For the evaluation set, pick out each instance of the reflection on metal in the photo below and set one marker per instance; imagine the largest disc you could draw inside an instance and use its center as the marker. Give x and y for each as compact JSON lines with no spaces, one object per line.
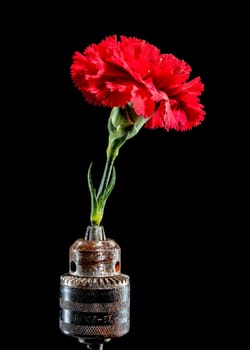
{"x":94,"y":295}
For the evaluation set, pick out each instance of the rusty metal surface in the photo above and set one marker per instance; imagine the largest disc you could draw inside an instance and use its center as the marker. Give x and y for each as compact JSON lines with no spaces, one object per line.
{"x":95,"y":312}
{"x":94,"y":295}
{"x":95,"y":258}
{"x":94,"y":283}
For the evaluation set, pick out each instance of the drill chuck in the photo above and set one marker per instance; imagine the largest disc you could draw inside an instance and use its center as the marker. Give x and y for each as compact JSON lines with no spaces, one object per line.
{"x":94,"y":295}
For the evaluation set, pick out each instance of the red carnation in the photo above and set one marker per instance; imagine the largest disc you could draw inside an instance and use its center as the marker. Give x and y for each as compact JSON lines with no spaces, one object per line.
{"x":114,"y":73}
{"x":144,"y":88}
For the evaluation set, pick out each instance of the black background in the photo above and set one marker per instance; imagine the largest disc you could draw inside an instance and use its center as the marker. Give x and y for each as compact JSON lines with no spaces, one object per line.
{"x":165,"y":205}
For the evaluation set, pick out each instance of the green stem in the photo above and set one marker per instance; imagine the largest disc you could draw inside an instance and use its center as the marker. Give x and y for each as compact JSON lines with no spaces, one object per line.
{"x":107,"y":183}
{"x":123,"y":124}
{"x":106,"y":175}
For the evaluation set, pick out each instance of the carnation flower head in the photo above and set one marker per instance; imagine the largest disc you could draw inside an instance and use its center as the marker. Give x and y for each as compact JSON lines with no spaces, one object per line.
{"x":116,"y":72}
{"x":144,"y":87}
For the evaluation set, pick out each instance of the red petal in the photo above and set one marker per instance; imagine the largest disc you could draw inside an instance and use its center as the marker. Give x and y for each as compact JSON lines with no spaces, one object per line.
{"x":114,"y":73}
{"x":168,"y":71}
{"x":142,"y":102}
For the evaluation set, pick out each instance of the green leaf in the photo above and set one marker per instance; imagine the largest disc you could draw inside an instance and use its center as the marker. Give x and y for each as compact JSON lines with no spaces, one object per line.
{"x":111,"y":185}
{"x":92,"y":190}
